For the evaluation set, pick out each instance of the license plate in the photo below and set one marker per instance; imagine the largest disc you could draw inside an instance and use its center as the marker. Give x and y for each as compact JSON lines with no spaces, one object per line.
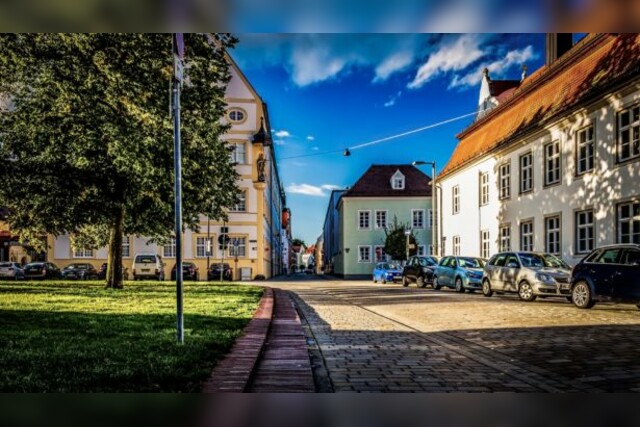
{"x":565,"y":286}
{"x":145,"y":270}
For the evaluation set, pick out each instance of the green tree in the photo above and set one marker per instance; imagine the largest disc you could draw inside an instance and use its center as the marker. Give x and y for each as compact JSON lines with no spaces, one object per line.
{"x":87,"y":143}
{"x":395,"y":244}
{"x":298,"y":242}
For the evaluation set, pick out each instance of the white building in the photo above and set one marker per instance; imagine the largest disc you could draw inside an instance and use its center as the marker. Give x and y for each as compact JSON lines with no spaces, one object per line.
{"x":554,"y":165}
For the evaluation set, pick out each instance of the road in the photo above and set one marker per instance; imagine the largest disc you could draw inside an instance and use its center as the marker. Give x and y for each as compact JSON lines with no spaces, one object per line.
{"x":370,"y":337}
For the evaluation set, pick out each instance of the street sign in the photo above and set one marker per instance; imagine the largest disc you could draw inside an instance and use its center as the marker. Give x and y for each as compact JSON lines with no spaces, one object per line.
{"x":224,"y":239}
{"x":412,"y":246}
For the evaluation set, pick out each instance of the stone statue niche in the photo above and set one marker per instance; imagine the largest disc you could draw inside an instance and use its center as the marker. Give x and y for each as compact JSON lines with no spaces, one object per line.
{"x":260,"y":163}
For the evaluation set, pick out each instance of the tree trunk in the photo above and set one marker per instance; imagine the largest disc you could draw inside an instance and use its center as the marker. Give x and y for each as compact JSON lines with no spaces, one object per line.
{"x":114,"y":268}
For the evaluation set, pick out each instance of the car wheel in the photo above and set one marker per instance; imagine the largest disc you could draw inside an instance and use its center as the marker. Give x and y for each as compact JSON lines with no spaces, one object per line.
{"x":436,"y":284}
{"x":383,"y":280}
{"x":486,"y":288}
{"x":581,"y":295}
{"x":374,"y":279}
{"x":525,"y":292}
{"x":459,"y":285}
{"x":405,"y":281}
{"x":420,"y":282}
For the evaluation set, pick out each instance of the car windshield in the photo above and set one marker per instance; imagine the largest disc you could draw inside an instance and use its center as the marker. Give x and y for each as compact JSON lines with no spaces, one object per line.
{"x":471,"y":262}
{"x":388,"y":267}
{"x":541,"y":260}
{"x":145,"y":259}
{"x":427,"y":262}
{"x":77,"y":267}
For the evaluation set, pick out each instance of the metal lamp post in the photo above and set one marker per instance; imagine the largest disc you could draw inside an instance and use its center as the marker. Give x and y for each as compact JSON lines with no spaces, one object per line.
{"x":434,"y":204}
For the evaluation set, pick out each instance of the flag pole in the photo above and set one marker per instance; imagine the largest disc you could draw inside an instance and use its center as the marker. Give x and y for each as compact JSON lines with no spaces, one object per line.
{"x":178,"y":67}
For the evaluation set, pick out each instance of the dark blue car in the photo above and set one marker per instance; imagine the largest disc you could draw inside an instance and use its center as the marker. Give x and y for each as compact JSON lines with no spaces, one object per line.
{"x":609,"y":273}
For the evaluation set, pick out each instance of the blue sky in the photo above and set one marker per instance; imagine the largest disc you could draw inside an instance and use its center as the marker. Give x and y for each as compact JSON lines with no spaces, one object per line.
{"x":327,"y":92}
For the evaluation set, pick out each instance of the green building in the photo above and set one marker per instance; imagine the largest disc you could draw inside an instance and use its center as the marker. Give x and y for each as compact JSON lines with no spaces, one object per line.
{"x":383,"y":194}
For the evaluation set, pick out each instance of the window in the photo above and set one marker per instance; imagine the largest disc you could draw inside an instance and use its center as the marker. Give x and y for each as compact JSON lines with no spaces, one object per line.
{"x":629,"y":133}
{"x":364,"y":220}
{"x":417,"y":218}
{"x":126,"y":246}
{"x":381,"y":255}
{"x":381,"y":219}
{"x":526,"y":236}
{"x":430,"y":218}
{"x":456,"y":245}
{"x":504,"y":177}
{"x":455,"y":195}
{"x":202,"y":247}
{"x":238,"y":247}
{"x":552,"y":163}
{"x":608,"y":256}
{"x":584,"y":150}
{"x":239,"y":154}
{"x":629,"y":222}
{"x":241,"y":203}
{"x":484,"y":188}
{"x":397,"y":181}
{"x":364,"y":254}
{"x":585,"y":231}
{"x":422,"y":250}
{"x":169,"y":250}
{"x":484,"y":244}
{"x":631,"y":257}
{"x":237,"y":115}
{"x":505,"y":238}
{"x":444,"y":244}
{"x":526,"y":172}
{"x":552,"y":234}
{"x":83,"y":253}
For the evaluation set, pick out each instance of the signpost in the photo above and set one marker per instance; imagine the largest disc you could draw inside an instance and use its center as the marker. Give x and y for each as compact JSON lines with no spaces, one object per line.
{"x":178,"y":75}
{"x":224,"y":241}
{"x":236,"y":242}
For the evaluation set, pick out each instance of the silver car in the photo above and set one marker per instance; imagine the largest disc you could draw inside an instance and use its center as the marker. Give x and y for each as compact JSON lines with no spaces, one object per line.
{"x":11,"y":270}
{"x":529,"y":274}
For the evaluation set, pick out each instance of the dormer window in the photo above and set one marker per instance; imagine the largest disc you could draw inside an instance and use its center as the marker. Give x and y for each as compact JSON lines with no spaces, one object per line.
{"x":397,"y":181}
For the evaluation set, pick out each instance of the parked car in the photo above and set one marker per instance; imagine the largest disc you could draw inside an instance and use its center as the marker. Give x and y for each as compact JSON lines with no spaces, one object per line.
{"x":460,"y":273}
{"x":214,"y":272}
{"x":102,"y":272}
{"x":310,"y":269}
{"x":189,"y":272}
{"x":529,"y":274}
{"x":11,"y":270}
{"x":79,"y":271}
{"x":609,"y":273}
{"x":386,"y":272}
{"x":419,"y":269}
{"x":148,"y":266}
{"x":41,"y":270}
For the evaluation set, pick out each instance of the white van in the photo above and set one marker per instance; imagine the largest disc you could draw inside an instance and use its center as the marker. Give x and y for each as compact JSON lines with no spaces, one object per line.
{"x":148,"y":266}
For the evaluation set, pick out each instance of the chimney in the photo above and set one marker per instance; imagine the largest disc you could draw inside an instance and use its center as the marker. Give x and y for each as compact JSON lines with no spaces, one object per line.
{"x":557,"y":45}
{"x":524,"y":72}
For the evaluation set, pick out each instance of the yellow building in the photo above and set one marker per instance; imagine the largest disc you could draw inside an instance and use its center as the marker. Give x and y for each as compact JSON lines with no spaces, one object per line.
{"x":255,"y":223}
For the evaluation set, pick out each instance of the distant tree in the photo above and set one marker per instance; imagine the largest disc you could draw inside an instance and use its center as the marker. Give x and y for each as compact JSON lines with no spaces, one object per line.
{"x":87,"y":143}
{"x":395,"y":244}
{"x":298,"y":242}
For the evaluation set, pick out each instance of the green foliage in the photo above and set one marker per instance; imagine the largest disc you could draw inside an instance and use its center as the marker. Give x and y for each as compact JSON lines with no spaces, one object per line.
{"x":298,"y":242}
{"x":89,"y":134}
{"x":78,"y":337}
{"x":395,"y":244}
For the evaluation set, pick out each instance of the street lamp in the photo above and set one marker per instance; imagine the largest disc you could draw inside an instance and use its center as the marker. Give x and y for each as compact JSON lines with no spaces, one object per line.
{"x":434,"y":204}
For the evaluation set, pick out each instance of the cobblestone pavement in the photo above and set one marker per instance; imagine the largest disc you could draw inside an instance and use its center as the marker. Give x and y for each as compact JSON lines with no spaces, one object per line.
{"x":375,"y":338}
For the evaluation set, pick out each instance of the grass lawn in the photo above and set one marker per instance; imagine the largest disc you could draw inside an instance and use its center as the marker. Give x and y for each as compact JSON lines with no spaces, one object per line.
{"x":77,"y":336}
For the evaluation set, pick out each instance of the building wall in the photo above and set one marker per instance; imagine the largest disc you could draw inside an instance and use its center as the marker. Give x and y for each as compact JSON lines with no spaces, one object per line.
{"x":331,"y":233}
{"x":352,"y":237}
{"x":602,"y":189}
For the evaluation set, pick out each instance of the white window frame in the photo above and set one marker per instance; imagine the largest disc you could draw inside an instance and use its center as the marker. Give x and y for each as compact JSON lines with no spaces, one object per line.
{"x":484,"y":188}
{"x":587,"y":243}
{"x":377,"y":224}
{"x":526,"y":173}
{"x":242,"y":248}
{"x":456,"y":245}
{"x":126,"y":246}
{"x":552,"y":163}
{"x":419,"y":224}
{"x":241,"y":206}
{"x":236,"y":121}
{"x":201,"y":244}
{"x":505,"y":237}
{"x":398,"y":181}
{"x":169,"y":250}
{"x":632,"y":219}
{"x":235,"y":151}
{"x":529,"y":244}
{"x":83,"y":253}
{"x":455,"y":199}
{"x":585,"y":149}
{"x":631,"y":128}
{"x":504,"y":178}
{"x":485,"y":244}
{"x":383,"y":258}
{"x":360,"y":220}
{"x":422,"y":250}
{"x":553,"y":234}
{"x":361,"y":259}
{"x":430,"y":219}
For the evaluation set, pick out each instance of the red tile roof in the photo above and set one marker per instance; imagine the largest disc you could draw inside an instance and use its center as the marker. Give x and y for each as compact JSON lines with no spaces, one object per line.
{"x":596,"y":63}
{"x":376,"y":182}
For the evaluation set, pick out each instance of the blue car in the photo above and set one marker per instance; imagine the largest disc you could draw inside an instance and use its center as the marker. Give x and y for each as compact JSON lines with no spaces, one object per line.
{"x":460,"y":273}
{"x":609,"y":273}
{"x":386,"y":272}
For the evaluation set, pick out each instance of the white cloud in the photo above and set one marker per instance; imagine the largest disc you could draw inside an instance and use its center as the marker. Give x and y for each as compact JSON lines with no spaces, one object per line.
{"x":452,"y":55}
{"x":311,"y":190}
{"x":282,"y":134}
{"x":316,"y":148}
{"x":497,"y":68}
{"x":392,"y":101}
{"x":278,"y":142}
{"x":392,"y":64}
{"x":310,"y":138}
